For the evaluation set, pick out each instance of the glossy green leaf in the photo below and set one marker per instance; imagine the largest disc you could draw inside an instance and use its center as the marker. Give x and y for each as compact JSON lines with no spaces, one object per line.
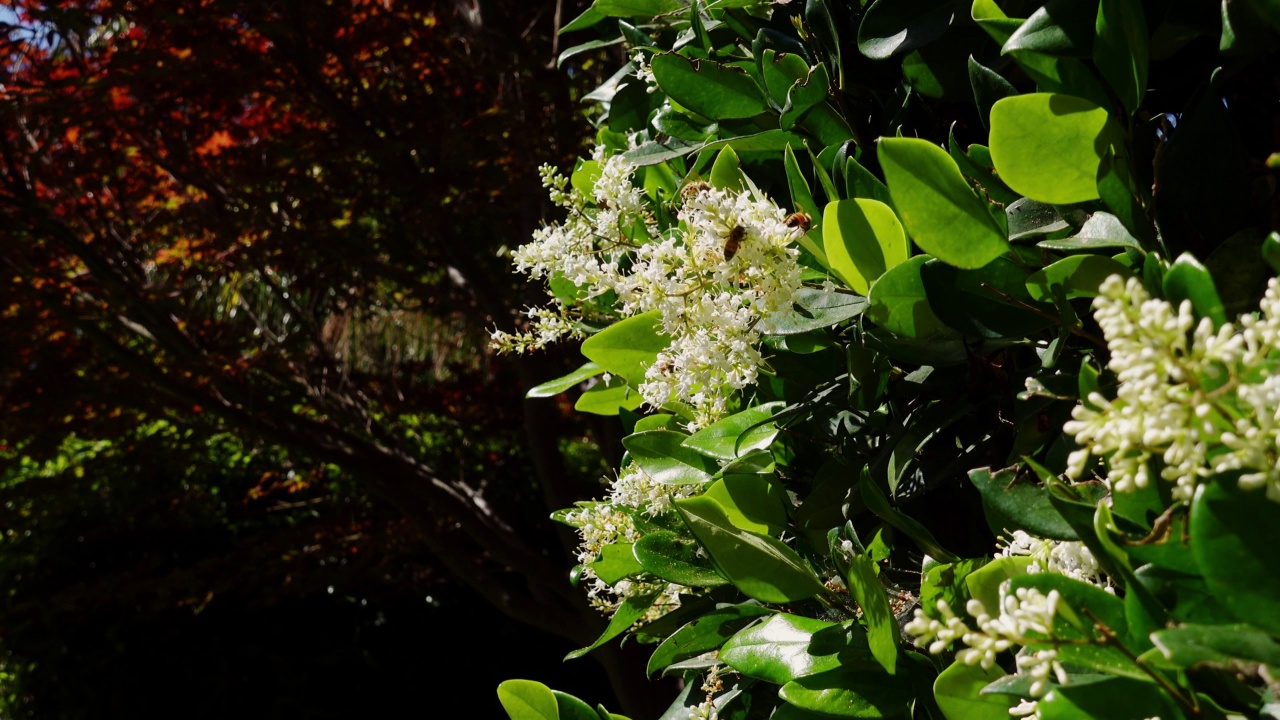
{"x":666,"y":555}
{"x":990,"y":302}
{"x":781,"y":72}
{"x":751,"y":502}
{"x":1187,"y":279}
{"x":1101,"y":230}
{"x":737,"y":434}
{"x":1080,"y":607}
{"x":636,"y":8}
{"x":1234,"y":536}
{"x":1077,"y":276}
{"x":607,"y":398}
{"x":628,"y":347}
{"x":571,"y":708}
{"x":670,"y":121}
{"x":1062,"y":28}
{"x":1222,"y":645}
{"x":946,"y":582}
{"x":984,"y":583}
{"x":659,"y":421}
{"x":851,"y":693}
{"x":860,"y":183}
{"x":1109,"y":698}
{"x":1019,"y":505}
{"x":589,"y":17}
{"x":663,"y":457}
{"x":1049,"y":147}
{"x":565,"y":382}
{"x":631,"y":610}
{"x":786,"y":647}
{"x":1120,"y":50}
{"x":817,"y":310}
{"x":936,"y":206}
{"x":805,"y":94}
{"x":896,"y":26}
{"x":712,"y":90}
{"x":879,"y":504}
{"x":862,"y":239}
{"x":760,"y":566}
{"x":528,"y":700}
{"x":704,"y":634}
{"x":958,"y":690}
{"x":989,"y":87}
{"x":899,"y":304}
{"x":882,"y":627}
{"x":725,"y":171}
{"x":615,"y":563}
{"x":1027,"y":217}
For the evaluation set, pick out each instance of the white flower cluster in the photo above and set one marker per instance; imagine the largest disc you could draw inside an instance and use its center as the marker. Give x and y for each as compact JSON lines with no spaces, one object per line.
{"x":1068,"y":558}
{"x":1202,"y":401}
{"x":1025,"y":617}
{"x":609,"y":522}
{"x":718,"y":278}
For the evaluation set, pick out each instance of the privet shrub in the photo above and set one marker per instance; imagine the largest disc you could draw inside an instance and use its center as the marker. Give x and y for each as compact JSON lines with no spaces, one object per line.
{"x":945,"y":340}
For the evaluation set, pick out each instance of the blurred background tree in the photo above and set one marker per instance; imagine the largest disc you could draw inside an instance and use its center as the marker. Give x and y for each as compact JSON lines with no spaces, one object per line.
{"x":249,"y":419}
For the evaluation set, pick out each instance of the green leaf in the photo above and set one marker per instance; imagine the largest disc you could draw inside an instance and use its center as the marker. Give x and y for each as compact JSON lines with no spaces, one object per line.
{"x":1187,"y":279}
{"x":658,"y":421}
{"x":984,"y":583}
{"x":607,"y":398}
{"x":851,"y":693}
{"x":631,"y":610}
{"x":528,"y":700}
{"x":571,"y":708}
{"x":805,"y":94}
{"x":860,"y":183}
{"x":899,"y":304}
{"x":636,"y":8}
{"x":878,"y":504}
{"x":737,"y":434}
{"x":862,"y":239}
{"x":1120,"y":50}
{"x":760,"y":566}
{"x":565,"y":382}
{"x":663,"y":457}
{"x":725,"y":172}
{"x":1078,"y":276}
{"x":704,"y":634}
{"x":786,"y":647}
{"x":895,"y":26}
{"x":1049,"y":147}
{"x":1221,"y":645}
{"x":666,"y":555}
{"x":1080,"y":606}
{"x":801,"y":196}
{"x":937,"y":207}
{"x":882,"y":627}
{"x":958,"y":691}
{"x":1063,"y":28}
{"x":751,"y":502}
{"x":1101,"y":230}
{"x":1013,"y":505}
{"x":628,"y":347}
{"x":1027,"y":218}
{"x":1108,"y":698}
{"x":946,"y":582}
{"x":989,"y":87}
{"x":781,"y":71}
{"x":615,"y":563}
{"x":817,"y":310}
{"x":1234,"y":536}
{"x":990,"y":302}
{"x":723,"y":92}
{"x":589,"y":17}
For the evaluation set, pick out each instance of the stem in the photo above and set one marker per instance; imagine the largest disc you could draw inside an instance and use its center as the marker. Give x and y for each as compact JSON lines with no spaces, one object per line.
{"x":1110,"y":639}
{"x":1075,"y":330}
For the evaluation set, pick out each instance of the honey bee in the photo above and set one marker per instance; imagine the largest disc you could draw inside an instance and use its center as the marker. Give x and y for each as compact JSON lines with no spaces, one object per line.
{"x":690,"y":191}
{"x":800,"y":221}
{"x":734,"y":241}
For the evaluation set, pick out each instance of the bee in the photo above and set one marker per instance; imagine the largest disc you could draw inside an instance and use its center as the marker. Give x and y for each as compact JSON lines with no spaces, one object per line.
{"x":734,"y":241}
{"x":800,"y":221}
{"x":690,"y":191}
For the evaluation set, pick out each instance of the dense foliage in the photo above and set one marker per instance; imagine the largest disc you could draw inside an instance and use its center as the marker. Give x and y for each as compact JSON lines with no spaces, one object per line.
{"x":945,"y":340}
